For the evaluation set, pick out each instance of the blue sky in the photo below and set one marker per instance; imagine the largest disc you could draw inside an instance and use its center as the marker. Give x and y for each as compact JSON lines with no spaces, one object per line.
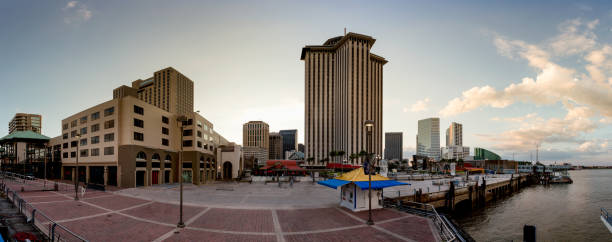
{"x":456,"y":61}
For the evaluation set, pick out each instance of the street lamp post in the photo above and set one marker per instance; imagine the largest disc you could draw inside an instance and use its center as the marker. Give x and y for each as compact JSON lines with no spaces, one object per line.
{"x":180,"y":224}
{"x":368,"y":124}
{"x":76,"y":181}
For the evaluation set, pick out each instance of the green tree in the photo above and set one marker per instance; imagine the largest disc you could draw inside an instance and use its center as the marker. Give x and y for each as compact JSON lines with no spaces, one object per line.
{"x":333,"y":154}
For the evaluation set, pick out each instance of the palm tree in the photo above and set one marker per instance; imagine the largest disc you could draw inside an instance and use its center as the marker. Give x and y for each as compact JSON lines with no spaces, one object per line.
{"x":340,"y":153}
{"x":353,"y":156}
{"x":333,"y":154}
{"x":310,"y":160}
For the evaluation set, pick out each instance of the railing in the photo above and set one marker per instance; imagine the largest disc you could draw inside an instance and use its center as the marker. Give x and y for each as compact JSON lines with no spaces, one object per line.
{"x":423,"y":209}
{"x":606,"y":216}
{"x":46,"y":225}
{"x":36,"y":183}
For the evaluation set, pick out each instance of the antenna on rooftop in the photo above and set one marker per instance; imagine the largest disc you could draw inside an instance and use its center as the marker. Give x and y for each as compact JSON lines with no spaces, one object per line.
{"x":345,"y":31}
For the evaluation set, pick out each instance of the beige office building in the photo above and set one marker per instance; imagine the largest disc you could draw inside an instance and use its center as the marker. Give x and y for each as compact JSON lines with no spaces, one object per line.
{"x":454,"y":135}
{"x":256,"y":140}
{"x":26,"y":121}
{"x":275,"y":152}
{"x":343,"y":88}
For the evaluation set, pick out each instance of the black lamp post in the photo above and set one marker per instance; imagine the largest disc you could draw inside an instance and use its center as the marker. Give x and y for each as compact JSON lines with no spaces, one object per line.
{"x":368,"y":124}
{"x":76,"y":181}
{"x":180,"y":224}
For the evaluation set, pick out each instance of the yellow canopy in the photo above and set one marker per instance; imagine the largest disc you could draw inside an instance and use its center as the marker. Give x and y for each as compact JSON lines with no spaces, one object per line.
{"x":358,"y":175}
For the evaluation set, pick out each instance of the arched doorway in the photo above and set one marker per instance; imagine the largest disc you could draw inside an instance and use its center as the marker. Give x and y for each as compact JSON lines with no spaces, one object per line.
{"x":167,"y":169}
{"x":141,"y":169}
{"x":227,"y":170}
{"x":155,"y":164}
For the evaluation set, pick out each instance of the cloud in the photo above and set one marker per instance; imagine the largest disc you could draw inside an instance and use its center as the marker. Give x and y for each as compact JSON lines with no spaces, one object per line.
{"x":419,"y":106}
{"x":574,"y":39}
{"x":76,"y":12}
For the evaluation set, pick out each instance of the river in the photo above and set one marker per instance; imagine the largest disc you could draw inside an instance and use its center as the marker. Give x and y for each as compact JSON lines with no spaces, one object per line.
{"x":568,"y":212}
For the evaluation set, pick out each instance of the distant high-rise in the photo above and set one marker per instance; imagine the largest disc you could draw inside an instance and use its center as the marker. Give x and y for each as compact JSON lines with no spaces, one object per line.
{"x":428,"y":138}
{"x":275,"y":152}
{"x":256,"y":134}
{"x":393,"y":146}
{"x":290,"y":141}
{"x":343,"y":89}
{"x":26,"y":121}
{"x":454,"y":135}
{"x":301,"y":147}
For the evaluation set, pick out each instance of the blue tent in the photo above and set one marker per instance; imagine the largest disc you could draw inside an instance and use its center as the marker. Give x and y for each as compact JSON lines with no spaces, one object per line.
{"x":335,"y":183}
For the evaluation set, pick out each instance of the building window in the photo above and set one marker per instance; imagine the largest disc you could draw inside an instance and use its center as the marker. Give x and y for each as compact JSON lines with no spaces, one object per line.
{"x":138,"y":123}
{"x":95,"y":128}
{"x":83,"y":142}
{"x":165,"y":131}
{"x":83,"y":130}
{"x":73,"y":133}
{"x":83,"y":119}
{"x":138,"y":110}
{"x":65,"y":136}
{"x":64,"y":126}
{"x":65,"y":145}
{"x":199,"y":144}
{"x":95,"y":152}
{"x":95,"y":116}
{"x":138,"y":136}
{"x":188,"y":122}
{"x":200,"y":134}
{"x":73,"y":144}
{"x":95,"y":140}
{"x":109,"y":150}
{"x":199,"y":123}
{"x":187,"y":132}
{"x":72,"y":154}
{"x":109,"y":124}
{"x":165,"y":120}
{"x":109,"y":137}
{"x":165,"y":142}
{"x":65,"y":155}
{"x":187,"y":143}
{"x":73,"y":123}
{"x":109,"y":111}
{"x":84,"y":153}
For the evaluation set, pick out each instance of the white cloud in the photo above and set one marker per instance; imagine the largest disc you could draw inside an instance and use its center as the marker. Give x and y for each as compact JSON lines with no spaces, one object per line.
{"x":574,"y":39}
{"x":76,"y":12}
{"x":419,"y":106}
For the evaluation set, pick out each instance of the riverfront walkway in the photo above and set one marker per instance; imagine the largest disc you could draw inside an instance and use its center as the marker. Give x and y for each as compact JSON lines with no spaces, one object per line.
{"x":151,"y":214}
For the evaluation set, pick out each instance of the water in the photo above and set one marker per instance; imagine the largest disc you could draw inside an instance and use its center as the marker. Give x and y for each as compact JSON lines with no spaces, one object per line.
{"x":567,"y":212}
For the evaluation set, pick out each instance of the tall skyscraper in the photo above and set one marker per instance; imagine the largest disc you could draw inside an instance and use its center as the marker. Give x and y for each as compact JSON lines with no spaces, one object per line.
{"x":428,"y":138}
{"x":393,"y":146}
{"x":290,"y":140}
{"x":255,"y":140}
{"x":275,"y":152}
{"x":25,"y":121}
{"x":454,"y":135}
{"x":343,"y":89}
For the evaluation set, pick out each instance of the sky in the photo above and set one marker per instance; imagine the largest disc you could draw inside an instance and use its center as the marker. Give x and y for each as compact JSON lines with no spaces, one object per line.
{"x":516,"y":74}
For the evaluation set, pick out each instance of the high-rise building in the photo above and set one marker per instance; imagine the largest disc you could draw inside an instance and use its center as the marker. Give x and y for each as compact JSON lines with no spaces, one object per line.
{"x":275,"y":152}
{"x":393,"y":145}
{"x":26,"y":121}
{"x":454,"y":135}
{"x":428,"y":138}
{"x":256,"y":134}
{"x":290,"y":141}
{"x":343,"y":89}
{"x":301,"y":147}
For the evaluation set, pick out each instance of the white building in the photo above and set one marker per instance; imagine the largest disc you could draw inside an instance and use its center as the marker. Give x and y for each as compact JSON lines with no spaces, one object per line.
{"x":454,"y":135}
{"x":428,"y":138}
{"x":455,"y":152}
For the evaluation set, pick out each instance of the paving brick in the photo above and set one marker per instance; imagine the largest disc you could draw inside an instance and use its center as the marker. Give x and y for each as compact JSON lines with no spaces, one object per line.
{"x":415,"y":228}
{"x":163,"y":212}
{"x":244,"y":220}
{"x":68,"y":209}
{"x":365,"y":234}
{"x":116,"y":202}
{"x":313,"y":219}
{"x":188,"y":235}
{"x":379,"y":214}
{"x":116,"y":227}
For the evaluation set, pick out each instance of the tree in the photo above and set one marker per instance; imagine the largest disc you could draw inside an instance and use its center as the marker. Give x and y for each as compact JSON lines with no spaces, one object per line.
{"x":310,"y":160}
{"x":353,"y":156}
{"x":340,"y":153}
{"x":333,"y":154}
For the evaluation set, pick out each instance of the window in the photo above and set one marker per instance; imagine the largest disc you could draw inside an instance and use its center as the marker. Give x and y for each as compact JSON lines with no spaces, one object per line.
{"x":73,"y":154}
{"x":65,"y":145}
{"x":187,"y":143}
{"x":138,"y":123}
{"x":95,"y":152}
{"x":109,"y":111}
{"x":187,"y":132}
{"x":65,"y":155}
{"x":200,"y":134}
{"x":165,"y":131}
{"x":64,"y":126}
{"x":83,"y":130}
{"x":165,"y":142}
{"x":95,"y":128}
{"x":73,"y":144}
{"x":109,"y":137}
{"x":199,"y":123}
{"x":109,"y":150}
{"x":73,"y":133}
{"x":138,"y":110}
{"x":188,"y":122}
{"x":199,"y":144}
{"x":138,"y":136}
{"x":109,"y":124}
{"x":73,"y":123}
{"x":165,"y":120}
{"x":84,"y":153}
{"x":65,"y":136}
{"x":84,"y":142}
{"x":83,"y":119}
{"x":95,"y":140}
{"x":95,"y":116}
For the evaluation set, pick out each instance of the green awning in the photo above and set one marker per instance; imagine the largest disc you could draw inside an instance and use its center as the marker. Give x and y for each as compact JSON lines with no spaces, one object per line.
{"x":25,"y":136}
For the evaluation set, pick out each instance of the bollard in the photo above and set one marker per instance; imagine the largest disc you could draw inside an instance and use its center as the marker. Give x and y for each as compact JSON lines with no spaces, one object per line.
{"x":53,"y":232}
{"x":32,"y":220}
{"x":529,"y":233}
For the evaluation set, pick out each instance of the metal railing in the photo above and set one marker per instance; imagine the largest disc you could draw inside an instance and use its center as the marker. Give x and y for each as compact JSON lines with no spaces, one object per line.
{"x":606,"y":215}
{"x":428,"y":210}
{"x":53,"y":230}
{"x":36,"y":184}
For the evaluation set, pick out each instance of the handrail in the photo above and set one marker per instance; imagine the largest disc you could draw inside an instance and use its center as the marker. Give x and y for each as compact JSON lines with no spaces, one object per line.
{"x":605,"y":214}
{"x":446,"y":234}
{"x":53,"y":228}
